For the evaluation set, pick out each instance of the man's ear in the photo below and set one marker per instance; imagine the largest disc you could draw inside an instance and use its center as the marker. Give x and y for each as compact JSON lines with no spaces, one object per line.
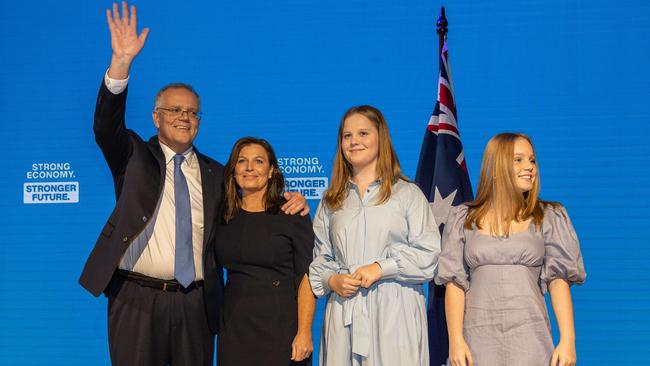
{"x":156,"y":119}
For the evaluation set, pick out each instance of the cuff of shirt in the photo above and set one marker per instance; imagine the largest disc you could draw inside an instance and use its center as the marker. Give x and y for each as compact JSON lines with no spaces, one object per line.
{"x":388,"y":268}
{"x":325,"y":278}
{"x":115,"y":86}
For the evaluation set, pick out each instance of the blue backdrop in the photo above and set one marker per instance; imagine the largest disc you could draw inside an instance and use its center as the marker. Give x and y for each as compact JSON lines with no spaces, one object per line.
{"x":572,"y":74}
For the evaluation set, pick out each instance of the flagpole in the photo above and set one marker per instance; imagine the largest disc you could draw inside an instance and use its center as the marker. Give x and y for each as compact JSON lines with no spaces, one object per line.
{"x":442,"y":177}
{"x":441,"y":25}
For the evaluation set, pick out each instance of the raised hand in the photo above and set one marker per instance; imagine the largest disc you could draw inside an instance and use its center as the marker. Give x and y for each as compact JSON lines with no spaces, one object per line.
{"x":125,"y":41}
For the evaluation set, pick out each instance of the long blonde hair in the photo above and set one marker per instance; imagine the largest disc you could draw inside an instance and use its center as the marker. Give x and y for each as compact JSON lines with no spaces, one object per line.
{"x":498,"y":194}
{"x":388,"y":167}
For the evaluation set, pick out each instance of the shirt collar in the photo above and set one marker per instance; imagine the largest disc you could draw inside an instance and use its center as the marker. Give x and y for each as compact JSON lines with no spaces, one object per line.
{"x":190,"y":156}
{"x":376,"y":182}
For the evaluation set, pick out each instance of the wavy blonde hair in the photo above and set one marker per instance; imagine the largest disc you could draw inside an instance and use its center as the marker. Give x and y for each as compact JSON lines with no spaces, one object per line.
{"x":498,"y":194}
{"x":388,"y":167}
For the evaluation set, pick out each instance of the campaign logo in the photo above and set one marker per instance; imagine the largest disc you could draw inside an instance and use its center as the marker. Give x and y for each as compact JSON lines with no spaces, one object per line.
{"x":305,"y":175}
{"x":50,"y":183}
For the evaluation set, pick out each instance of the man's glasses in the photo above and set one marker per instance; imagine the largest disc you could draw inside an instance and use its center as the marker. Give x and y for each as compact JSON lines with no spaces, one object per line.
{"x":178,"y":112}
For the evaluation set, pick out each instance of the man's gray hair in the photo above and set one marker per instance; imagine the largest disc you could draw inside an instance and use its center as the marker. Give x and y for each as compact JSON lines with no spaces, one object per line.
{"x":188,"y":87}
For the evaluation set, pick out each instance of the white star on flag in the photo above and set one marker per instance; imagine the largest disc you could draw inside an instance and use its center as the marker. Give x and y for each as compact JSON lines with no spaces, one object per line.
{"x":441,"y":206}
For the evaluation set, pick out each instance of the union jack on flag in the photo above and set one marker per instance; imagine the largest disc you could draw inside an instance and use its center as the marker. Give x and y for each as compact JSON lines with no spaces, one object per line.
{"x":442,"y":177}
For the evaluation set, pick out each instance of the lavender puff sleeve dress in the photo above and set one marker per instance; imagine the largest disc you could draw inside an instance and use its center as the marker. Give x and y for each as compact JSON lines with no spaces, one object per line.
{"x":505,"y":279}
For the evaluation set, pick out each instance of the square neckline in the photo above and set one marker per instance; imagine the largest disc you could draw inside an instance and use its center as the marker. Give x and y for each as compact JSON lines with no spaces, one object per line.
{"x":530,"y":224}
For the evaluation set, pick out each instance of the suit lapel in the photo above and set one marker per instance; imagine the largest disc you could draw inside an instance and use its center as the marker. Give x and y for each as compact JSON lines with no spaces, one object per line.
{"x":156,"y":151}
{"x":208,"y":184}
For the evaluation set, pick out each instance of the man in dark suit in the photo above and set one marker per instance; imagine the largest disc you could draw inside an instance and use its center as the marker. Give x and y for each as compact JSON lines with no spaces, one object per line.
{"x":154,"y":259}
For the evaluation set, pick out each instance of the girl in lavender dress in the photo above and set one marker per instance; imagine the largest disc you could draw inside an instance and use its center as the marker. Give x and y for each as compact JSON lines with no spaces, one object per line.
{"x":500,"y":254}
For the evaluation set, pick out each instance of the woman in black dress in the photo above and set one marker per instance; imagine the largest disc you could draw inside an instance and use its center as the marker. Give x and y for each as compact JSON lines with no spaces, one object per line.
{"x":269,"y":306}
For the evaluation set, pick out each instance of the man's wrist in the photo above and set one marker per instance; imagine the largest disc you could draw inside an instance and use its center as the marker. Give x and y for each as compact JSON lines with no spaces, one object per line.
{"x":115,"y":86}
{"x":120,"y":67}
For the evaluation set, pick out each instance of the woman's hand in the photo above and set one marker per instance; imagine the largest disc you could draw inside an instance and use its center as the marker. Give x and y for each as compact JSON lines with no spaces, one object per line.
{"x":301,"y":347}
{"x":459,"y":354}
{"x":564,"y":354}
{"x":343,"y":284}
{"x":368,"y":274}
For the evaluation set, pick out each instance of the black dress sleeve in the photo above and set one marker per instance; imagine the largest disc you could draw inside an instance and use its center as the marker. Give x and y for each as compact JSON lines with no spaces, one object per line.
{"x":302,"y":242}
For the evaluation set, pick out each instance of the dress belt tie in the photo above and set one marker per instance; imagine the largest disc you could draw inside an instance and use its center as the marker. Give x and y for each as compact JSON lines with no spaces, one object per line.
{"x":357,"y":317}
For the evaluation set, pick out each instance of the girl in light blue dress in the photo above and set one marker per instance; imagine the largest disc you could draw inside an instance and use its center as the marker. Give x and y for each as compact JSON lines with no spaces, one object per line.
{"x":376,"y":244}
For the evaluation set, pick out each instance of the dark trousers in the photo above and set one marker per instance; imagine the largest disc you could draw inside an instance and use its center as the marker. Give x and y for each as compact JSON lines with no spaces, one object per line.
{"x":151,"y":327}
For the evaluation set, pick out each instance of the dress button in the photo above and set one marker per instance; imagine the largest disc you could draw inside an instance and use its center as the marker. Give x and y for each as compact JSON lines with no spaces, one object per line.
{"x":276,"y":283}
{"x":125,"y":239}
{"x":144,"y":218}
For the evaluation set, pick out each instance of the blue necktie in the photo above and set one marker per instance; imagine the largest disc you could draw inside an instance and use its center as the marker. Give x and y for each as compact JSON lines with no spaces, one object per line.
{"x":184,"y":258}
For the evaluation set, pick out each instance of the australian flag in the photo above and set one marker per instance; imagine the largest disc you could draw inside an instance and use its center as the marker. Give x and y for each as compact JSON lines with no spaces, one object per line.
{"x":442,"y":176}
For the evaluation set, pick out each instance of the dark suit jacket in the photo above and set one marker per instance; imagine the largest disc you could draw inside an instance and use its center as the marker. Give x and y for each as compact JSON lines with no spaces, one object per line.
{"x":138,"y":170}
